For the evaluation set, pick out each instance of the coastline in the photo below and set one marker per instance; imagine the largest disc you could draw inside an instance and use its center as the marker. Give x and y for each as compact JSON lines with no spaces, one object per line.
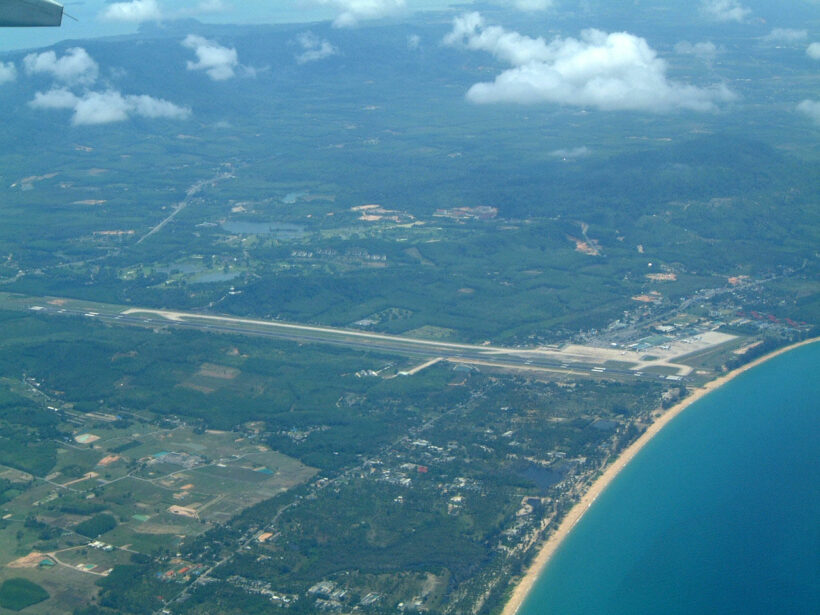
{"x":545,"y":553}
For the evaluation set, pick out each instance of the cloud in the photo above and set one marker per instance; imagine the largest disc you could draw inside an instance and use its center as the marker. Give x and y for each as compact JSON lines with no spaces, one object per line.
{"x":135,"y":11}
{"x":211,"y":6}
{"x":78,"y":70}
{"x":150,"y":107}
{"x":575,"y":152}
{"x":138,"y":11}
{"x":220,"y":63}
{"x":353,"y":11}
{"x":58,"y":98}
{"x":786,"y":35}
{"x":810,"y":108}
{"x":413,"y":42}
{"x":204,"y":7}
{"x":76,"y":67}
{"x":724,"y":10}
{"x":813,"y":51}
{"x":471,"y":31}
{"x":8,"y":72}
{"x":617,"y":71}
{"x":532,"y":5}
{"x":107,"y":107}
{"x":706,"y":50}
{"x":100,"y":108}
{"x":313,"y":48}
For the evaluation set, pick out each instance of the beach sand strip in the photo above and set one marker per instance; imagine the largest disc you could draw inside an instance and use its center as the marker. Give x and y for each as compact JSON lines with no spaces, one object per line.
{"x":525,"y":585}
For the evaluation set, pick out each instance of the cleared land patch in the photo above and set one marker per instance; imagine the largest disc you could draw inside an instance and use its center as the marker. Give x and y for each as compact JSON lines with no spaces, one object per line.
{"x":158,"y":475}
{"x":32,"y":560}
{"x":222,"y":372}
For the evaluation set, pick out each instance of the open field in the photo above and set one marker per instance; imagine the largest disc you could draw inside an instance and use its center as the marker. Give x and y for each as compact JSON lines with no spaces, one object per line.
{"x":213,"y":474}
{"x":69,"y":589}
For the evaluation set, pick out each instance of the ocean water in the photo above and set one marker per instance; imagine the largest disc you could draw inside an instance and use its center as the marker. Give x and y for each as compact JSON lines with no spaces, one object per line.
{"x":718,"y":514}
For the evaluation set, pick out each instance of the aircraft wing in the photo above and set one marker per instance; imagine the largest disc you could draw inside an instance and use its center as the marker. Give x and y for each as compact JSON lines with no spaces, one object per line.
{"x":26,"y":13}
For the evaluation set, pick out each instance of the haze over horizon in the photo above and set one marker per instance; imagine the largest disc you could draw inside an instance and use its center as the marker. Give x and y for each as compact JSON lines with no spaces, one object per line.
{"x":97,"y":18}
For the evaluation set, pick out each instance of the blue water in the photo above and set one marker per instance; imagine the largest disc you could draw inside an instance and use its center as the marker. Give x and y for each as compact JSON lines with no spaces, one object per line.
{"x":280,"y":230}
{"x":718,"y":514}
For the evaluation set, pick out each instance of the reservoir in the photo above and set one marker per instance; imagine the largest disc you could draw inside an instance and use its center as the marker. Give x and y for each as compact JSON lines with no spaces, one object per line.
{"x":280,"y":230}
{"x":719,"y":513}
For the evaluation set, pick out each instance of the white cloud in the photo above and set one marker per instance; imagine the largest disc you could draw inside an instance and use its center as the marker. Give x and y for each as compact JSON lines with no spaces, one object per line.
{"x":470,"y":30}
{"x":135,"y":11}
{"x":8,"y":72}
{"x":413,"y":42}
{"x":532,"y":5}
{"x":786,"y":35}
{"x":100,"y":108}
{"x":810,"y":108}
{"x":617,"y":71}
{"x":211,"y":6}
{"x":353,"y":11}
{"x":724,"y":10}
{"x":76,"y":67}
{"x":58,"y":98}
{"x":150,"y":107}
{"x":107,"y":107}
{"x":220,"y":63}
{"x":313,"y":48}
{"x":813,"y":51}
{"x":575,"y":152}
{"x":204,"y":7}
{"x":706,"y":50}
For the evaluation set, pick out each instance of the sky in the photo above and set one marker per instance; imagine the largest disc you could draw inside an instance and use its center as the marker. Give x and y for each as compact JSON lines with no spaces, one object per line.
{"x":96,"y":18}
{"x":93,"y":21}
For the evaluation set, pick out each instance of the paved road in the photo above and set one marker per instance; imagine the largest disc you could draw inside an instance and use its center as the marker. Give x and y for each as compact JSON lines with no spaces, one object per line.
{"x":189,"y":195}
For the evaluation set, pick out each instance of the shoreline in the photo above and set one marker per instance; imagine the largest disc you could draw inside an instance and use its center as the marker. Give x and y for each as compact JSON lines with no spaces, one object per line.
{"x":548,"y":549}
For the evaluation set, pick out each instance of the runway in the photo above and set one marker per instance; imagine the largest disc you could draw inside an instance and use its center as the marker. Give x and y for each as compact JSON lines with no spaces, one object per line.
{"x":524,"y":360}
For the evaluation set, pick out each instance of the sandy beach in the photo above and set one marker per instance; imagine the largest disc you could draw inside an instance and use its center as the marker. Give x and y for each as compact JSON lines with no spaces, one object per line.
{"x":553,"y":542}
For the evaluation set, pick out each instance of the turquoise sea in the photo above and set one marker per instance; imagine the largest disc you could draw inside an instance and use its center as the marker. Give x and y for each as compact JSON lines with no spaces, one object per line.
{"x":718,"y":514}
